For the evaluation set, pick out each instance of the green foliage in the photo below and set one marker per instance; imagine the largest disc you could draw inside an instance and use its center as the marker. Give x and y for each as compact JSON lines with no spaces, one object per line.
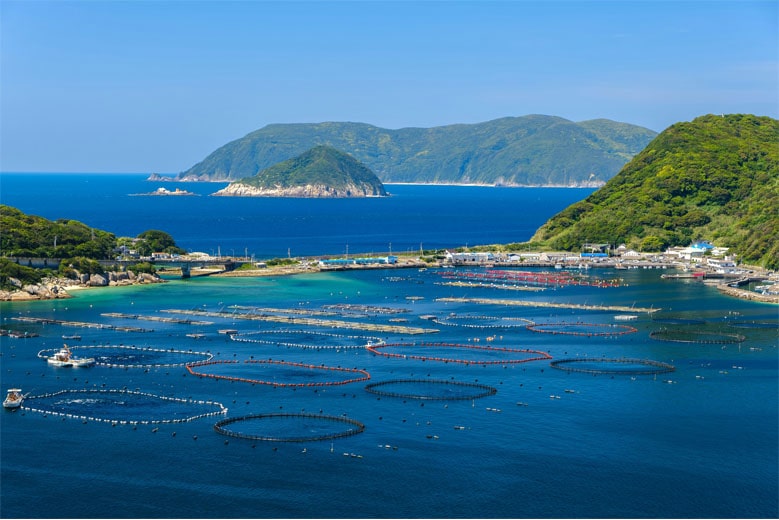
{"x":154,"y":241}
{"x":26,"y":275}
{"x":69,"y":266}
{"x":142,"y":267}
{"x":715,"y":178}
{"x":322,"y":165}
{"x":529,"y":150}
{"x":281,"y":261}
{"x":32,"y":236}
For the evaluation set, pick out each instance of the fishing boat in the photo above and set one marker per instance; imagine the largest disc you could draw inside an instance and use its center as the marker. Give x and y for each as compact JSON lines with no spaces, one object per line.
{"x":14,"y":398}
{"x":74,"y":337}
{"x":64,"y":358}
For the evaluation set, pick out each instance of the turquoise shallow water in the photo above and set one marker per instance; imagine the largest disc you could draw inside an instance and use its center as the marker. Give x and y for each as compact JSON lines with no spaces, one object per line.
{"x":547,"y":444}
{"x":701,"y":446}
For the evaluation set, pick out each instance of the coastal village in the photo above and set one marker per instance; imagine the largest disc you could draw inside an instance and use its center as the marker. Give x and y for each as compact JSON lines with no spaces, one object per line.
{"x":700,"y":261}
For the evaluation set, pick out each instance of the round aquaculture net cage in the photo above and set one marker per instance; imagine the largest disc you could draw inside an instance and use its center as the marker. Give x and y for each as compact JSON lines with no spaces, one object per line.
{"x":430,"y":389}
{"x":289,"y":427}
{"x":626,"y":366}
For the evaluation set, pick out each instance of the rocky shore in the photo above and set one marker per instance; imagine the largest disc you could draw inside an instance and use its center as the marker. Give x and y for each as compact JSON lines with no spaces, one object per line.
{"x":57,"y":288}
{"x":316,"y":191}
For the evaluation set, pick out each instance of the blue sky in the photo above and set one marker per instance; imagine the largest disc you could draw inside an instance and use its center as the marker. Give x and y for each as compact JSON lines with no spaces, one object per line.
{"x":142,"y":86}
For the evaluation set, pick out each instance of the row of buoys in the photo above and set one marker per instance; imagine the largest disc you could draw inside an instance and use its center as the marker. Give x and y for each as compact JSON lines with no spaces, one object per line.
{"x":43,"y":354}
{"x":364,"y":375}
{"x":274,"y":310}
{"x":336,"y":324}
{"x":657,"y":367}
{"x":364,"y":340}
{"x":83,"y":324}
{"x":370,"y":309}
{"x":356,"y":427}
{"x":553,"y":305}
{"x":162,"y":319}
{"x":539,"y":355}
{"x":695,"y":336}
{"x":222,"y":410}
{"x":612,"y":329}
{"x":452,"y":321}
{"x":482,"y":390}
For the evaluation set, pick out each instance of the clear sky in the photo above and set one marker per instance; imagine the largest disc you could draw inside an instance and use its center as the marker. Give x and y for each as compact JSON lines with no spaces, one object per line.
{"x":155,"y":86}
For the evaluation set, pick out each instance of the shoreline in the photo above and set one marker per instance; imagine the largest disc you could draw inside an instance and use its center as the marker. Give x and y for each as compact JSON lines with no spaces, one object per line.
{"x":61,"y":288}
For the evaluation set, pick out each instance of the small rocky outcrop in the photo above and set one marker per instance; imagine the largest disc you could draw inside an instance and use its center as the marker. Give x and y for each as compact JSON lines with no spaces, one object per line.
{"x":238,"y":189}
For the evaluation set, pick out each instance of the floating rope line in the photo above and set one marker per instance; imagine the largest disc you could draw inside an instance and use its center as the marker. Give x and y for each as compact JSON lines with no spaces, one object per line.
{"x":162,"y":319}
{"x":290,"y":320}
{"x":307,"y":372}
{"x":307,"y":422}
{"x":538,"y":355}
{"x":357,"y":341}
{"x":695,"y":336}
{"x":368,"y":309}
{"x":449,"y":390}
{"x":500,"y":322}
{"x":582,"y":329}
{"x":82,"y":324}
{"x":552,"y":305}
{"x":124,"y":356}
{"x":672,"y":320}
{"x":86,"y":404}
{"x":622,"y":366}
{"x":754,"y":324}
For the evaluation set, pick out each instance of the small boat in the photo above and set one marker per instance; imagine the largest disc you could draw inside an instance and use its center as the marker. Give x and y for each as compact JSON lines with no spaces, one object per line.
{"x":74,"y":337}
{"x":14,"y":398}
{"x":64,"y":358}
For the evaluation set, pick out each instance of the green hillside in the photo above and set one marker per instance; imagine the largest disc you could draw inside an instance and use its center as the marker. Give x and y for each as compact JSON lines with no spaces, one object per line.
{"x":715,"y":178}
{"x":529,"y":150}
{"x":322,"y":166}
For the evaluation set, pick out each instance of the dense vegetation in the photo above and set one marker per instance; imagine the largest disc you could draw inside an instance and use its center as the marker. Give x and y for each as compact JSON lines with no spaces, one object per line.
{"x":529,"y":150}
{"x":78,"y":246}
{"x":715,"y":178}
{"x":322,"y":165}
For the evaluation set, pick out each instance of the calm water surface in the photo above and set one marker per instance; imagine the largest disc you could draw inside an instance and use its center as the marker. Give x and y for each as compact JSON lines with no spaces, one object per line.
{"x":698,"y":442}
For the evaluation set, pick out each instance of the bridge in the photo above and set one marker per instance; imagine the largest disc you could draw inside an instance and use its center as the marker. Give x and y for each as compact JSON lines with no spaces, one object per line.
{"x":186,"y":264}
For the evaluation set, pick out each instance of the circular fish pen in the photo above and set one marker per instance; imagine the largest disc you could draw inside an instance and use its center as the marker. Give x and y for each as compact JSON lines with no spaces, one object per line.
{"x":439,"y":352}
{"x":430,"y":389}
{"x":306,"y":339}
{"x":695,"y":336}
{"x":624,"y":366}
{"x":277,"y":373}
{"x":119,"y":406}
{"x":289,"y":427}
{"x":482,"y":322}
{"x":122,"y":356}
{"x":582,"y":329}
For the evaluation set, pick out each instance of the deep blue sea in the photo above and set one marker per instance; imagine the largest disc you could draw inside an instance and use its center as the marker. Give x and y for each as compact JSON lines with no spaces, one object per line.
{"x":699,"y":442}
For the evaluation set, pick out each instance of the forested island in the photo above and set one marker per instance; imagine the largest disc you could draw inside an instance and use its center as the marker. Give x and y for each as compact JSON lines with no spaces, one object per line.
{"x":321,"y":172}
{"x":533,"y":150}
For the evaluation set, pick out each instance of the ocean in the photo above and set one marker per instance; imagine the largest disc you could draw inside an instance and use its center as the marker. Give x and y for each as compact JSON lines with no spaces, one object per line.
{"x":624,"y":441}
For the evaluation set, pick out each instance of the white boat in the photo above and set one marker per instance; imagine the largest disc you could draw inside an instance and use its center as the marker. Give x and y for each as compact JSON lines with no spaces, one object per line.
{"x":14,"y":398}
{"x":64,"y":358}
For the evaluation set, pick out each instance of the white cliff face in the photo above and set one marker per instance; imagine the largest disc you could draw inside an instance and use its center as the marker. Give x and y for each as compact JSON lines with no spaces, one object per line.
{"x":236,"y":189}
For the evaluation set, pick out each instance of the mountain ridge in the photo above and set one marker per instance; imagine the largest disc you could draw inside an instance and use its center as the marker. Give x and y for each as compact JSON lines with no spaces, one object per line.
{"x":532,"y":150}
